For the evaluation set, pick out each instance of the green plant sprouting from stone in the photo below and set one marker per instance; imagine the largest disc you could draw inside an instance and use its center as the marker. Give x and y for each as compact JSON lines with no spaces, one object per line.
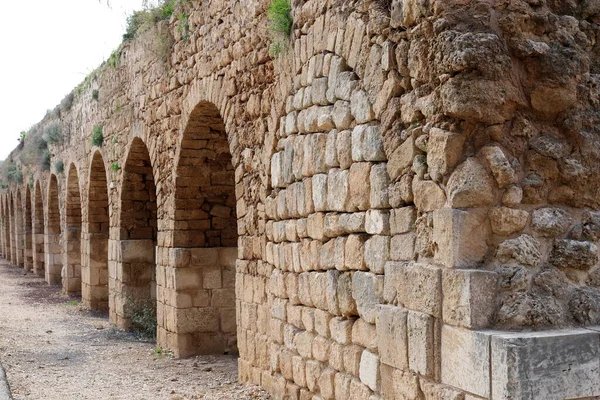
{"x":97,"y":136}
{"x":280,"y":25}
{"x":115,"y":167}
{"x":142,"y":314}
{"x":59,"y":166}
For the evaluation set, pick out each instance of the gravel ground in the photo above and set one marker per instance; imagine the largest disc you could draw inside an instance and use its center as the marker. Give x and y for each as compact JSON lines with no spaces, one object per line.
{"x":52,"y":348}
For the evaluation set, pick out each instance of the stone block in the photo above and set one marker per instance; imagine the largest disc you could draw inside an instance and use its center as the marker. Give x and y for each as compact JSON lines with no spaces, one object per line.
{"x":396,"y":384}
{"x":377,"y":253}
{"x":402,"y":247}
{"x":392,"y":336}
{"x":444,"y":151}
{"x":469,"y":297}
{"x":367,"y":291}
{"x":401,"y":159}
{"x":360,"y":107}
{"x":380,"y":182}
{"x":319,"y":192}
{"x":133,"y":251}
{"x":421,"y":343}
{"x":402,"y":220}
{"x":427,"y":195}
{"x":342,"y":116}
{"x":552,"y":365}
{"x":465,"y":358}
{"x":359,"y":186}
{"x":460,"y":237}
{"x":369,"y":370}
{"x":418,"y":287}
{"x":470,"y":185}
{"x":337,"y":190}
{"x":506,"y":221}
{"x":344,"y":149}
{"x":377,"y":222}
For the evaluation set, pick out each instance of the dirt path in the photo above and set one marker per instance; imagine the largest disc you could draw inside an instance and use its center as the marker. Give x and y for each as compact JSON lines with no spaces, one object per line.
{"x":53,"y":349}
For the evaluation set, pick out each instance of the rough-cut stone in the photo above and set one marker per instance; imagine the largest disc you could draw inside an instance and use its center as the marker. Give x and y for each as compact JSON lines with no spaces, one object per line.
{"x":524,"y":249}
{"x":550,"y":222}
{"x":499,"y":165}
{"x":402,"y":158}
{"x":550,"y":365}
{"x":574,"y":254}
{"x":369,"y":370}
{"x":428,"y":196}
{"x":418,"y":287}
{"x":444,"y":152}
{"x":470,"y":185}
{"x":506,"y":221}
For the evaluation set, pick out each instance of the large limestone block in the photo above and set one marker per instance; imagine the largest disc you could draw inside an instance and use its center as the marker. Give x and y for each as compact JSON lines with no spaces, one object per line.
{"x":428,"y":195}
{"x":137,"y":251}
{"x":367,"y":291}
{"x":418,"y":286}
{"x":469,"y":297}
{"x":466,"y":360}
{"x":460,"y":237}
{"x":392,"y":336}
{"x":549,"y":365}
{"x":470,"y":185}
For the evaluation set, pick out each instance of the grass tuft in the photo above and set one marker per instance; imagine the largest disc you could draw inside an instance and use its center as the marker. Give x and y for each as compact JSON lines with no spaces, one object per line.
{"x":97,"y":136}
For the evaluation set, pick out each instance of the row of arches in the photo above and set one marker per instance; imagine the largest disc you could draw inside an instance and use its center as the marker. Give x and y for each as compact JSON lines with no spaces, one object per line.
{"x":100,"y":239}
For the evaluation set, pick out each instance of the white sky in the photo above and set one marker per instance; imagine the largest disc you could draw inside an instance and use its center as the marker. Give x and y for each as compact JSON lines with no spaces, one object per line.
{"x":48,"y":48}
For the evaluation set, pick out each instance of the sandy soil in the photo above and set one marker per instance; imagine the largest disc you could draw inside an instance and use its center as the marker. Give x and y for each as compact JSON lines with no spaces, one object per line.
{"x":52,"y":348}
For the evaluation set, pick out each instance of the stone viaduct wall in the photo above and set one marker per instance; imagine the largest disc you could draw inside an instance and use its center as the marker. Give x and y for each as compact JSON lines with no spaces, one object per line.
{"x":402,"y":205}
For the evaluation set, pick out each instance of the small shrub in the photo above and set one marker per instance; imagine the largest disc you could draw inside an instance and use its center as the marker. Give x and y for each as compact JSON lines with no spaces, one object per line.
{"x":53,"y":133}
{"x":59,"y":166}
{"x":67,"y":102}
{"x":97,"y":136}
{"x":142,"y":314}
{"x":115,"y":166}
{"x":183,"y":26}
{"x":95,"y":94}
{"x":44,"y":161}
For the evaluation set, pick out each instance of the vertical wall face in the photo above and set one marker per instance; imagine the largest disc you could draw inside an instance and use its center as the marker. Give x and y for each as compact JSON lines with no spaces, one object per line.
{"x":38,"y":232}
{"x":196,"y":281}
{"x":28,"y":231}
{"x":132,"y":268}
{"x":95,"y":240}
{"x":53,"y":249}
{"x":71,"y":271}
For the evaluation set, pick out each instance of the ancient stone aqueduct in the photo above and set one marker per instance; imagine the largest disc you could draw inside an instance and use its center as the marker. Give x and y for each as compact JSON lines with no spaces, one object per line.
{"x":402,"y":205}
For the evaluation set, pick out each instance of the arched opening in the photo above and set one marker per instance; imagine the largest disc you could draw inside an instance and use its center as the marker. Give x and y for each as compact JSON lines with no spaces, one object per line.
{"x":134,"y":287}
{"x":19,"y":233}
{"x":53,"y":246}
{"x":28,"y":231}
{"x":94,"y":284}
{"x":204,"y":234}
{"x":71,"y":272}
{"x":38,"y":231}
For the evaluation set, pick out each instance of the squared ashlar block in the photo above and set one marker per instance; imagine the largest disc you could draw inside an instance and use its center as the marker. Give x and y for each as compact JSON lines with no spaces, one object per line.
{"x":466,"y":360}
{"x":552,"y":365}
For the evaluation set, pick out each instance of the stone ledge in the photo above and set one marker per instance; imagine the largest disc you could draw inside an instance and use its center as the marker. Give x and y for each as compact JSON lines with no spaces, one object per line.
{"x":557,"y":364}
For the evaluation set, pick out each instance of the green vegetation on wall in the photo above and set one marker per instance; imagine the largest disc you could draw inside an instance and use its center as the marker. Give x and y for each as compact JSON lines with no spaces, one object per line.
{"x":280,"y":25}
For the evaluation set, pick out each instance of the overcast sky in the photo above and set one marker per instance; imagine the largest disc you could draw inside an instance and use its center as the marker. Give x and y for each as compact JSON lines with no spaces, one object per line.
{"x":48,"y":47}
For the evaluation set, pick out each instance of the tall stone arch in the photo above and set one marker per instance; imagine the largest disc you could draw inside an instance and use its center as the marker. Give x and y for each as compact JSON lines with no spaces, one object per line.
{"x":19,"y":230}
{"x":38,"y":231}
{"x":95,"y":238}
{"x":198,"y":303}
{"x":71,"y":271}
{"x":28,"y":230}
{"x":132,"y":273}
{"x":53,"y":249}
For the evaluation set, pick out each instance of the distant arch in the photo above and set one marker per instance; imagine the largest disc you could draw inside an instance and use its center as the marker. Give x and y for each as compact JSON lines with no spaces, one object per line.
{"x":71,"y":272}
{"x":52,"y":243}
{"x":38,"y":231}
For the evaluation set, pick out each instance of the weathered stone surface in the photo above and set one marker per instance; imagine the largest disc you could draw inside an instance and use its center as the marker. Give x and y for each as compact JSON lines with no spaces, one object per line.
{"x":418,"y":287}
{"x":550,"y":222}
{"x":460,"y":237}
{"x":499,"y":165}
{"x":470,"y":185}
{"x":402,"y":158}
{"x":574,"y":254}
{"x":392,"y":340}
{"x":524,"y":249}
{"x":549,"y":365}
{"x":469,"y":297}
{"x":506,"y":221}
{"x":444,"y":152}
{"x":428,"y":196}
{"x":466,"y":360}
